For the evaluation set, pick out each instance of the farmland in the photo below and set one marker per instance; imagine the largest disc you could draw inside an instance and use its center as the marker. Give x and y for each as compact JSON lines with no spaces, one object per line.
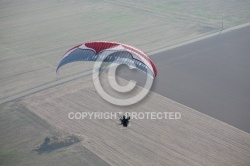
{"x":147,"y":141}
{"x":35,"y":34}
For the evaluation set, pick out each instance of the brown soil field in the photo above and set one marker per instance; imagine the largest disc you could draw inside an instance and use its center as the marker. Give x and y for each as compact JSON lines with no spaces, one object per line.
{"x":195,"y":139}
{"x":22,"y":131}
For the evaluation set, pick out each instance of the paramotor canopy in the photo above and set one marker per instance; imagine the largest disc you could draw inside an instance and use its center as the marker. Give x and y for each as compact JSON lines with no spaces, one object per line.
{"x":110,"y":52}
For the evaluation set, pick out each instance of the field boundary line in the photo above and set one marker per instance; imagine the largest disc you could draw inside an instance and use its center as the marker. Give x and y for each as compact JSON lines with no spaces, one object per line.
{"x":86,"y":73}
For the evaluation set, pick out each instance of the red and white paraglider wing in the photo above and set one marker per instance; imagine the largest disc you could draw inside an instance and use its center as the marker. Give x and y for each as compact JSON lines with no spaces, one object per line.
{"x":109,"y":52}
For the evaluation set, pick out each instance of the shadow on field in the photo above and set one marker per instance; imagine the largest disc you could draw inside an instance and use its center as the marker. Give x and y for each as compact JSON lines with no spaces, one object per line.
{"x":56,"y":142}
